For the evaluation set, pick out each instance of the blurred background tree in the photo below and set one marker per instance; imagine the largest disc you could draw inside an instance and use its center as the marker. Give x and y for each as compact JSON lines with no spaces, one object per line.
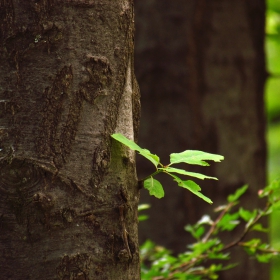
{"x":273,"y":113}
{"x":201,"y":69}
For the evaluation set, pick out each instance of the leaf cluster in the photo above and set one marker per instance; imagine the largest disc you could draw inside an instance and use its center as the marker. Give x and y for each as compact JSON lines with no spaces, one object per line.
{"x":209,"y":255}
{"x":189,"y":157}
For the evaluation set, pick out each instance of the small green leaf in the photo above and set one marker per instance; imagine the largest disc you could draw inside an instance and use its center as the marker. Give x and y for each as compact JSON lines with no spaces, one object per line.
{"x":264,"y":258}
{"x":151,"y":157}
{"x":229,"y":221}
{"x":192,"y":187}
{"x":129,"y":143}
{"x":200,"y":230}
{"x":200,"y":247}
{"x":259,"y":227}
{"x":184,"y":172}
{"x":143,"y":218}
{"x":190,"y":229}
{"x":133,"y":146}
{"x":194,"y":157}
{"x":154,"y":187}
{"x":255,"y":242}
{"x":143,"y":207}
{"x":230,"y":266}
{"x":195,"y":232}
{"x":219,"y":256}
{"x":271,"y":190}
{"x":247,"y":215}
{"x":234,"y":197}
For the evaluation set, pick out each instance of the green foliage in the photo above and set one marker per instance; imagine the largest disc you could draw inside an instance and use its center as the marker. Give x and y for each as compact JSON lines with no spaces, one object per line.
{"x":154,"y":187}
{"x":273,"y":62}
{"x":273,"y":112}
{"x":209,"y":255}
{"x":194,"y":157}
{"x":143,"y":207}
{"x":192,"y":187}
{"x":154,"y":159}
{"x":190,"y":157}
{"x":234,"y":197}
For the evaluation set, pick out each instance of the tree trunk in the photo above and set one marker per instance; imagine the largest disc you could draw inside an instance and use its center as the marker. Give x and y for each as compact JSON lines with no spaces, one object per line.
{"x":69,"y":194}
{"x":201,"y":70}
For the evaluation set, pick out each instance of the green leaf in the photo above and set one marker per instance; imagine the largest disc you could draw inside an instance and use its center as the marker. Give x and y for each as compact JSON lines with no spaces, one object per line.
{"x":151,"y":157}
{"x":247,"y":215}
{"x":143,"y":218}
{"x":184,"y":172}
{"x":195,"y":232}
{"x":229,"y":221}
{"x":255,"y":242}
{"x":273,"y":193}
{"x":219,"y":256}
{"x":194,"y":157}
{"x":129,"y":143}
{"x":237,"y":194}
{"x":154,"y":187}
{"x":133,"y":146}
{"x":264,"y":258}
{"x":143,"y":207}
{"x":200,"y":231}
{"x":259,"y":227}
{"x":200,"y":247}
{"x":190,"y":229}
{"x":192,"y":187}
{"x":230,"y":266}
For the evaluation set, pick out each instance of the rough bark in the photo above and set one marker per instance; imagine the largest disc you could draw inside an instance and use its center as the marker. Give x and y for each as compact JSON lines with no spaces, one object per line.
{"x":200,"y":65}
{"x":68,"y":193}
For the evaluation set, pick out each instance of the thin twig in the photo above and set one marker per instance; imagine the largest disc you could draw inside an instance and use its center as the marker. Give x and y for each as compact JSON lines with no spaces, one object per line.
{"x":213,"y":226}
{"x":246,"y":230}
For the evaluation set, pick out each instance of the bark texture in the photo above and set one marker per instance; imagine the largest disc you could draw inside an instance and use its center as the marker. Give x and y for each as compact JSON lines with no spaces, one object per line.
{"x":201,"y":69}
{"x":68,"y":193}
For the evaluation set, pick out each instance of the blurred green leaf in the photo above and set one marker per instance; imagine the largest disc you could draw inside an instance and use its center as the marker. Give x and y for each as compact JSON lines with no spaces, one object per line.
{"x":272,"y":22}
{"x":272,"y":191}
{"x":229,"y":221}
{"x":272,"y":94}
{"x":234,"y":197}
{"x":219,"y":256}
{"x":195,"y":231}
{"x":251,"y":246}
{"x":264,"y":258}
{"x":247,"y":215}
{"x":259,"y":227}
{"x":142,"y":207}
{"x":201,"y":247}
{"x":273,"y":5}
{"x":143,"y":218}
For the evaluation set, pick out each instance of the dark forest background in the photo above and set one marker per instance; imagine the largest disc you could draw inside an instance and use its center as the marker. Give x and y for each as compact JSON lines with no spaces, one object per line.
{"x":204,"y":78}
